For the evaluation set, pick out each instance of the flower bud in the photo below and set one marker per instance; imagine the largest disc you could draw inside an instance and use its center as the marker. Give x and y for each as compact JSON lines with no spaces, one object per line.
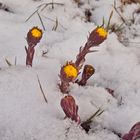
{"x":70,"y":108}
{"x":34,"y":35}
{"x":97,"y":36}
{"x":134,"y":133}
{"x":87,"y":73}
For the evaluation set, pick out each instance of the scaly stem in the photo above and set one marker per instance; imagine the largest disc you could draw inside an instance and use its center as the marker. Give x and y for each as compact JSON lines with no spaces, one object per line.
{"x":64,"y":87}
{"x":30,"y":55}
{"x":82,"y":53}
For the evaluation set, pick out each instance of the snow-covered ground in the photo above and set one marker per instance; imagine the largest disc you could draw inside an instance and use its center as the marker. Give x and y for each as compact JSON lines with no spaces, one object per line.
{"x":24,"y":115}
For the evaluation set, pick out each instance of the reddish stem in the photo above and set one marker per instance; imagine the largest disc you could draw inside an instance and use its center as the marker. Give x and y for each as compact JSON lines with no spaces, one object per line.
{"x":30,"y":55}
{"x":64,"y":87}
{"x":82,"y":53}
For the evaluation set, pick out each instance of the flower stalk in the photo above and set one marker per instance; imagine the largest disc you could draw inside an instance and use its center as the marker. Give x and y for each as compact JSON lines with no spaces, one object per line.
{"x":96,"y":37}
{"x":33,"y":37}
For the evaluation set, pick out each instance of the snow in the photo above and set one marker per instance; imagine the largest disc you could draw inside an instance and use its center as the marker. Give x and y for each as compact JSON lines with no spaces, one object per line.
{"x":24,"y":114}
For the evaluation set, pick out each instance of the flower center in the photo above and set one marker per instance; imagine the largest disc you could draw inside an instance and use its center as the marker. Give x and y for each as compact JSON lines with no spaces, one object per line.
{"x":36,"y":32}
{"x":102,"y":32}
{"x":70,"y":71}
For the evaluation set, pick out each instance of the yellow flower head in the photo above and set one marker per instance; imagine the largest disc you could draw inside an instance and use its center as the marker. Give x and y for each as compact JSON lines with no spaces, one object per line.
{"x":71,"y":71}
{"x":36,"y":32}
{"x":102,"y":32}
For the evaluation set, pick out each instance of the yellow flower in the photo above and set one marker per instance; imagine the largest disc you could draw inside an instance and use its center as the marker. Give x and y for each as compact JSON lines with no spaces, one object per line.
{"x":70,"y":71}
{"x":36,"y":32}
{"x":102,"y":32}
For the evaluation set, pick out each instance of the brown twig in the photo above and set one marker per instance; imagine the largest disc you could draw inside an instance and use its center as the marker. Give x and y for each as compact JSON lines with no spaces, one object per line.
{"x":41,"y":21}
{"x":31,"y":15}
{"x":15,"y":61}
{"x":55,"y":22}
{"x":111,"y":14}
{"x":86,"y":124}
{"x":56,"y":25}
{"x":52,"y":5}
{"x":42,"y":90}
{"x":122,"y":18}
{"x":42,"y":7}
{"x":8,"y":63}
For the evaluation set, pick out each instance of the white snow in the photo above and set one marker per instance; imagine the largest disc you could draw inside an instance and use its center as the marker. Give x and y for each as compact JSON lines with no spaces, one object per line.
{"x":24,"y":114}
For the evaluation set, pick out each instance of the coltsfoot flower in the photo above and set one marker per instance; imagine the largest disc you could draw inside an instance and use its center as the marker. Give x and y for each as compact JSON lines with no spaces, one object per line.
{"x":36,"y":32}
{"x":102,"y":32}
{"x":97,"y":36}
{"x":34,"y":35}
{"x":69,"y":72}
{"x":70,"y":108}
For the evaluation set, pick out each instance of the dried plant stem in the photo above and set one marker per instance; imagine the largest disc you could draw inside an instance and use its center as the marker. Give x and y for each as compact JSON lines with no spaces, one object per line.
{"x":122,"y":18}
{"x":55,"y":22}
{"x":8,"y":63}
{"x":111,"y":14}
{"x":42,"y":7}
{"x":42,"y":90}
{"x":51,"y":3}
{"x":31,"y":15}
{"x":55,"y":26}
{"x":41,"y":21}
{"x":97,"y":113}
{"x":130,"y":42}
{"x":86,"y":124}
{"x":15,"y":61}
